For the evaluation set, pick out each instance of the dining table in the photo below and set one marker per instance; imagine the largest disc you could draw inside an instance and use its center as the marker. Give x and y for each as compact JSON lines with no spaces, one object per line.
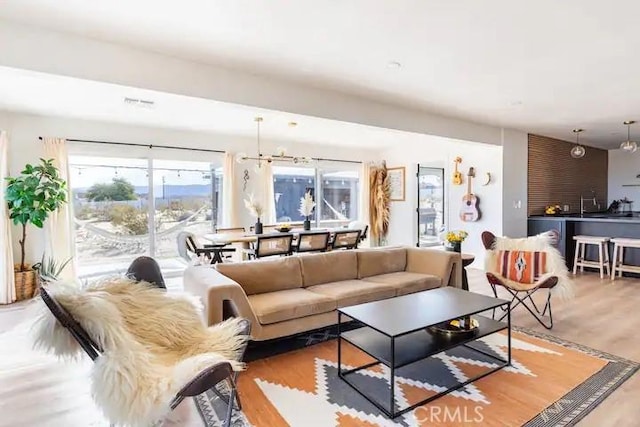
{"x":246,"y":239}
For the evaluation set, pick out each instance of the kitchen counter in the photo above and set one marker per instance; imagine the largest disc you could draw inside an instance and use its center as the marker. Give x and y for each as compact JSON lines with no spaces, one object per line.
{"x":621,"y":218}
{"x":594,"y":224}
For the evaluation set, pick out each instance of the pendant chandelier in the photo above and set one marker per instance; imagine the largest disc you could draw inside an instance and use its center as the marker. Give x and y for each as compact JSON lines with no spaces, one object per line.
{"x":578,"y":151}
{"x":280,"y":156}
{"x":629,"y":146}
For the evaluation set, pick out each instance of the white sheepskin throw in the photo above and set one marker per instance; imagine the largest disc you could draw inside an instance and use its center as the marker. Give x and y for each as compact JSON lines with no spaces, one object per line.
{"x":153,"y":344}
{"x":543,"y":242}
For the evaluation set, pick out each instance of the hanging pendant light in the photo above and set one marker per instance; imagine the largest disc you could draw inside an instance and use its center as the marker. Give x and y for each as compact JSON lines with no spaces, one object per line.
{"x":629,"y":146}
{"x":578,"y":151}
{"x":280,"y":156}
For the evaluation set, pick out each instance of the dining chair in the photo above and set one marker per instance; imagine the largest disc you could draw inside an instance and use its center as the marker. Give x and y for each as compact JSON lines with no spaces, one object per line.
{"x":231,"y":230}
{"x":313,"y":241}
{"x":265,"y":228}
{"x":188,"y":247}
{"x":362,"y":226}
{"x":272,"y":245}
{"x":346,"y":239}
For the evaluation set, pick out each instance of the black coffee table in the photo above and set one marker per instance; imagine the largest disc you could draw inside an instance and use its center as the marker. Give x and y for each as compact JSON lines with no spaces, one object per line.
{"x":395,"y":334}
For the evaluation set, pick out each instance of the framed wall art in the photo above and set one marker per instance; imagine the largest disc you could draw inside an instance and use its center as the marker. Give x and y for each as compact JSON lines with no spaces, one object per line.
{"x":397,"y":183}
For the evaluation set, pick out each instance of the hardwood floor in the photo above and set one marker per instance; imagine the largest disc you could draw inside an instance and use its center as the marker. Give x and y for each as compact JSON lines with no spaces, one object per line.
{"x":604,"y":315}
{"x":37,"y":390}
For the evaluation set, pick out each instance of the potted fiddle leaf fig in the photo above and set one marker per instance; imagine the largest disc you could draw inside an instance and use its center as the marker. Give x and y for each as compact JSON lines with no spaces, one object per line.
{"x":31,"y":197}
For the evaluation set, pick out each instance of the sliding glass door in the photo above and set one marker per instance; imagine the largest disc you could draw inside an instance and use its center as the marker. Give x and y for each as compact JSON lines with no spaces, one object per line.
{"x":125,"y":208}
{"x":289,"y":185}
{"x":430,"y":205}
{"x":186,"y":196}
{"x":111,"y":208}
{"x":339,"y":197}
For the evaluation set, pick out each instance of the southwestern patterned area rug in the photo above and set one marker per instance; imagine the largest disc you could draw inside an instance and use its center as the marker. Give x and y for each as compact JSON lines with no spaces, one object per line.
{"x":551,"y":383}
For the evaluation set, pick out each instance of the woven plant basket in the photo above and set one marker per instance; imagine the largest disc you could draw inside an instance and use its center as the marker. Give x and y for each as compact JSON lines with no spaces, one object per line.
{"x":26,"y":283}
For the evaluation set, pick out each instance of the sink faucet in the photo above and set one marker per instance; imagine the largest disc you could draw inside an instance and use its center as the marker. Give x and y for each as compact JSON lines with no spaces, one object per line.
{"x":582,"y":200}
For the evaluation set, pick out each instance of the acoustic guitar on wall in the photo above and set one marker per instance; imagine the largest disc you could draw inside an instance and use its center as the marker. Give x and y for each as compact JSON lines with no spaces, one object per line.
{"x":457,"y":175}
{"x":469,"y":211}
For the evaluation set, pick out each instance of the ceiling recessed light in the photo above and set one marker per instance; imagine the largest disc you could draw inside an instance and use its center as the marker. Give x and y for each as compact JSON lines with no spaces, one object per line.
{"x":141,"y":103}
{"x":293,"y":124}
{"x":516,"y":103}
{"x":394,"y":64}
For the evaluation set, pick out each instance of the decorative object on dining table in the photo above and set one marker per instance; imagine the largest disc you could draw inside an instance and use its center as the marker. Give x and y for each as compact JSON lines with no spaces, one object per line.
{"x":284,"y":227}
{"x":396,"y":184}
{"x":457,"y":175}
{"x":469,"y":211}
{"x":306,"y":209}
{"x":552,"y":210}
{"x":454,"y":240}
{"x":256,"y":210}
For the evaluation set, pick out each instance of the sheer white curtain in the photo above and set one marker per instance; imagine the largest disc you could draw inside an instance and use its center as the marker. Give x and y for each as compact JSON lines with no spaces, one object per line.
{"x":365,"y":193}
{"x":267,"y":193}
{"x":59,"y":230}
{"x":229,"y":192}
{"x":7,"y":285}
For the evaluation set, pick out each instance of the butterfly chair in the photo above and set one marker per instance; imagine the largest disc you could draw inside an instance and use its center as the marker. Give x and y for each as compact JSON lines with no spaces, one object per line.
{"x":188,"y":247}
{"x":208,"y":379}
{"x":146,"y":269}
{"x":346,"y":239}
{"x":510,"y":259}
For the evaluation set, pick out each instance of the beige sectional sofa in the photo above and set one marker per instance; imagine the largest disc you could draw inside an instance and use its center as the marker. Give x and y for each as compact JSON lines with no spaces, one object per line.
{"x":285,"y":296}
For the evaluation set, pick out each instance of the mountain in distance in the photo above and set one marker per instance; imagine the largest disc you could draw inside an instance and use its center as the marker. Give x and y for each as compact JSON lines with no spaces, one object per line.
{"x":170,"y":190}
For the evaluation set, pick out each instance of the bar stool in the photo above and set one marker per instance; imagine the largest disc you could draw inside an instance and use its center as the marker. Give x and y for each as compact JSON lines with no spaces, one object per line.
{"x":603,"y":254}
{"x":618,"y":256}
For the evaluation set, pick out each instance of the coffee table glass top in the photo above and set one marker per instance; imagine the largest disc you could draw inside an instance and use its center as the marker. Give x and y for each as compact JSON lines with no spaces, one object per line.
{"x":408,"y":313}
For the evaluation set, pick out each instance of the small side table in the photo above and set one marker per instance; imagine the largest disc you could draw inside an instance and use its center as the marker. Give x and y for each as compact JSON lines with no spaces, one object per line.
{"x":467,"y":259}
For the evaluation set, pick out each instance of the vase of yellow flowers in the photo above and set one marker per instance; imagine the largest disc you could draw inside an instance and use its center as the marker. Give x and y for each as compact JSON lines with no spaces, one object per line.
{"x":454,"y":240}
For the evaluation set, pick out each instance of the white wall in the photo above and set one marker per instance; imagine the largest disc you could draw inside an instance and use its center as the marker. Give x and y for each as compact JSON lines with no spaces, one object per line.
{"x":440,"y":152}
{"x":24,"y":147}
{"x":515,"y":153}
{"x":623,"y":169}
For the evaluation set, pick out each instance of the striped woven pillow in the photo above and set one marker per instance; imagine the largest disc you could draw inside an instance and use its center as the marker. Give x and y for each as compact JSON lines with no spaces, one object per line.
{"x":522,"y":266}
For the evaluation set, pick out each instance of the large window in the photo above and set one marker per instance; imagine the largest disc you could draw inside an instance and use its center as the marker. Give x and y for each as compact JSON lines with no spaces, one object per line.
{"x":119,"y":217}
{"x":339,"y":202}
{"x":289,"y":185}
{"x":334,"y":190}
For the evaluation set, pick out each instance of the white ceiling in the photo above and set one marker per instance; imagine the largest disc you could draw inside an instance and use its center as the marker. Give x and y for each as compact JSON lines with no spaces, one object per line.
{"x":543,"y":66}
{"x":47,"y":94}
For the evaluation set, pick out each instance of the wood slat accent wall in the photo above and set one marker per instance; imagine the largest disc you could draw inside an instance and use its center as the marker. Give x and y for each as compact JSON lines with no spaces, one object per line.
{"x":554,"y":177}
